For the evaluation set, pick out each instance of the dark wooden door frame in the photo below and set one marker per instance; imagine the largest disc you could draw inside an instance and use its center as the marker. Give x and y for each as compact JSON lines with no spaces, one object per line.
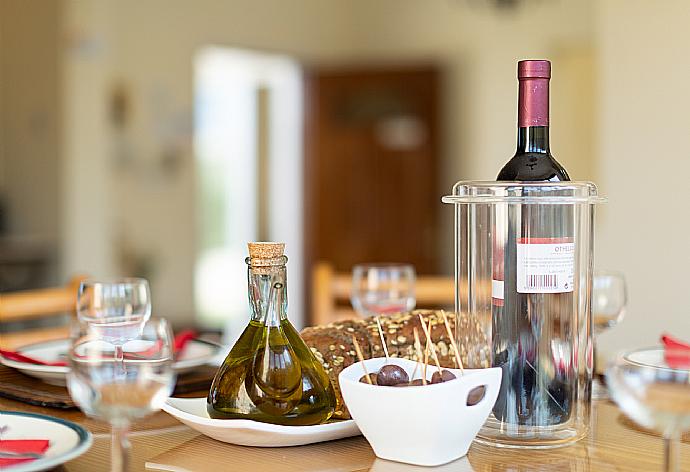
{"x":311,"y":161}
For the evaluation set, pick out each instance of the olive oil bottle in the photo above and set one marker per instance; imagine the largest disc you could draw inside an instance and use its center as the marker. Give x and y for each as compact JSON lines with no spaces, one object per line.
{"x":270,"y":375}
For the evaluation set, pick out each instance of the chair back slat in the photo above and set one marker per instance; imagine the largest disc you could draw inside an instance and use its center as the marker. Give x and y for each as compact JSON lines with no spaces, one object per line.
{"x":331,"y":293}
{"x":28,"y":305}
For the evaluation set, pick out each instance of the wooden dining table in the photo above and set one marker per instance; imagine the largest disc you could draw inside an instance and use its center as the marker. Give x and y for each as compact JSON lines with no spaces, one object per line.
{"x":161,"y":443}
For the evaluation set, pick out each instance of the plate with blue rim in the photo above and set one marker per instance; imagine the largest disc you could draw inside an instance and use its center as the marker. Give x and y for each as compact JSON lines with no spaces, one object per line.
{"x":67,"y":440}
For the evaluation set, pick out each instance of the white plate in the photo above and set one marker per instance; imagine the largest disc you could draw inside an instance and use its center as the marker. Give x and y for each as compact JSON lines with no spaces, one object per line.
{"x":192,"y":412}
{"x":196,"y":353}
{"x":648,"y":357}
{"x":67,"y":440}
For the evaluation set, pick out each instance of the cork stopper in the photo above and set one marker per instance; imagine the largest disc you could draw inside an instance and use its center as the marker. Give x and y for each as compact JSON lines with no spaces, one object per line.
{"x":265,"y":255}
{"x":266,"y":250}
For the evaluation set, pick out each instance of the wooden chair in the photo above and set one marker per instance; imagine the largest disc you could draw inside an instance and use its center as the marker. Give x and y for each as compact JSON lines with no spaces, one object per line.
{"x":331,"y":293}
{"x":30,"y":305}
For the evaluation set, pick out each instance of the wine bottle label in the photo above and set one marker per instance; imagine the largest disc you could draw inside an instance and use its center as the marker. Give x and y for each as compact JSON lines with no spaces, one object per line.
{"x":545,"y":265}
{"x":497,"y":292}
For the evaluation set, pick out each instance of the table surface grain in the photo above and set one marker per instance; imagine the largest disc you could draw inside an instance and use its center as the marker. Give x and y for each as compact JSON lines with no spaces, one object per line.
{"x":162,"y":443}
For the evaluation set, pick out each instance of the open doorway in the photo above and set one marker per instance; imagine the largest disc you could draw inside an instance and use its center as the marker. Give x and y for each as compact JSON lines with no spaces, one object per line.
{"x":248,"y":144}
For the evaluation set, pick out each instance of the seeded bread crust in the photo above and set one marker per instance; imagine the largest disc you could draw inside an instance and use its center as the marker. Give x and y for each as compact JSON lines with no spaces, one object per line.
{"x":333,"y":347}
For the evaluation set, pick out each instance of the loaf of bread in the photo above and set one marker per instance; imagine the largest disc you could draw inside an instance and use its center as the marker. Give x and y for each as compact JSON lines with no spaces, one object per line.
{"x":333,"y":347}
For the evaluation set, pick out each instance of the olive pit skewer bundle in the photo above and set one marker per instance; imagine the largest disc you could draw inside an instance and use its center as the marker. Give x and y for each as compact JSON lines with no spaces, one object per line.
{"x":451,"y":338}
{"x":442,"y":375}
{"x":391,"y":375}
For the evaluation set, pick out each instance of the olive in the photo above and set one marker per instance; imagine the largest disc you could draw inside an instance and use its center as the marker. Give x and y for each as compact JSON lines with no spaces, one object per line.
{"x":363,"y":379}
{"x":416,"y":383}
{"x":444,"y":376}
{"x":403,"y":384}
{"x":390,"y":375}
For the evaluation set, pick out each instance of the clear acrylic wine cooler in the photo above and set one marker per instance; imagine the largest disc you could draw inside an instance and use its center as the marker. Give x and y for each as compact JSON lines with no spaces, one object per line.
{"x":524,"y":256}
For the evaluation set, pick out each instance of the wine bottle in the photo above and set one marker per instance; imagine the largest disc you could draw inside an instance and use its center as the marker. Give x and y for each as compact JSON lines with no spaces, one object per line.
{"x":532,"y":302}
{"x":533,"y":160}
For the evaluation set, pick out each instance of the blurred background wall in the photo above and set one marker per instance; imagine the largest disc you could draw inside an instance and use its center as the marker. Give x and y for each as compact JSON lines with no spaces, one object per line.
{"x":644,"y":63}
{"x":99,"y":173}
{"x":30,"y":132}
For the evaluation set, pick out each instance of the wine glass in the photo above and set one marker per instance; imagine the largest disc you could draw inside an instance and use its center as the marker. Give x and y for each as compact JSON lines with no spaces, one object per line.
{"x":105,"y":391}
{"x":379,"y":289}
{"x":657,"y":398}
{"x":116,"y":308}
{"x":609,"y":300}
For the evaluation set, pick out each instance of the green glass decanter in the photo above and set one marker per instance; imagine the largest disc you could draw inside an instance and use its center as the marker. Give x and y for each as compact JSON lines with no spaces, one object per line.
{"x":270,"y":375}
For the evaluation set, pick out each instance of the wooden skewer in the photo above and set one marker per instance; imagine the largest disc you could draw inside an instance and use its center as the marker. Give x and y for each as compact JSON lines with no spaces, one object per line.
{"x":426,"y":359}
{"x":361,"y":359}
{"x":452,"y":341}
{"x":426,"y":356}
{"x":418,"y":349}
{"x":416,"y":366}
{"x":383,"y":340}
{"x":429,"y":343}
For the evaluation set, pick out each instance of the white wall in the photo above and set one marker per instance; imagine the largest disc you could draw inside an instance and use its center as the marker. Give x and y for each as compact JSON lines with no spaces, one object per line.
{"x":149,"y":47}
{"x":87,"y":200}
{"x":644,"y":97}
{"x":478,"y":48}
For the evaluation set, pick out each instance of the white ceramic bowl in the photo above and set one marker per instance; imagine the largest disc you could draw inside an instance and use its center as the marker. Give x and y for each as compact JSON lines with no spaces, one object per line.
{"x":427,"y":425}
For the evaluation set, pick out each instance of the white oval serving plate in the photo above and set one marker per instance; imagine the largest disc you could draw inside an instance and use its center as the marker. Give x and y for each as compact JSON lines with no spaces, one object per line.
{"x":192,"y":412}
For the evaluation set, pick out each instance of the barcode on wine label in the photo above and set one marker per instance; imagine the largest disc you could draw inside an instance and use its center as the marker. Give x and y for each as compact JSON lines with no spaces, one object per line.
{"x":545,"y":266}
{"x":540,"y":281}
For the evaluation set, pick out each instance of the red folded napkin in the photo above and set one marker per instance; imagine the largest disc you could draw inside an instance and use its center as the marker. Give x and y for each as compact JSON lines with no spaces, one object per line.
{"x":179,"y":343}
{"x":182,"y":338}
{"x":22,"y":446}
{"x":15,"y":356}
{"x":676,"y":352}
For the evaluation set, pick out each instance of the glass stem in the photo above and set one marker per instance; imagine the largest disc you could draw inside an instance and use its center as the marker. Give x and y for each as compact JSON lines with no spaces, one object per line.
{"x":120,"y":358}
{"x":599,"y":388}
{"x":671,"y":452}
{"x":594,"y":356}
{"x":120,"y":448}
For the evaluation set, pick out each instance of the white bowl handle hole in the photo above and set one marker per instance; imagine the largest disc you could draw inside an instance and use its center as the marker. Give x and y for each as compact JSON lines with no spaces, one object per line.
{"x":476,"y":395}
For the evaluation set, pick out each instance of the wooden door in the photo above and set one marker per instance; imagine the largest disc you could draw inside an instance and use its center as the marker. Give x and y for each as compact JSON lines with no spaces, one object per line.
{"x":371,"y":167}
